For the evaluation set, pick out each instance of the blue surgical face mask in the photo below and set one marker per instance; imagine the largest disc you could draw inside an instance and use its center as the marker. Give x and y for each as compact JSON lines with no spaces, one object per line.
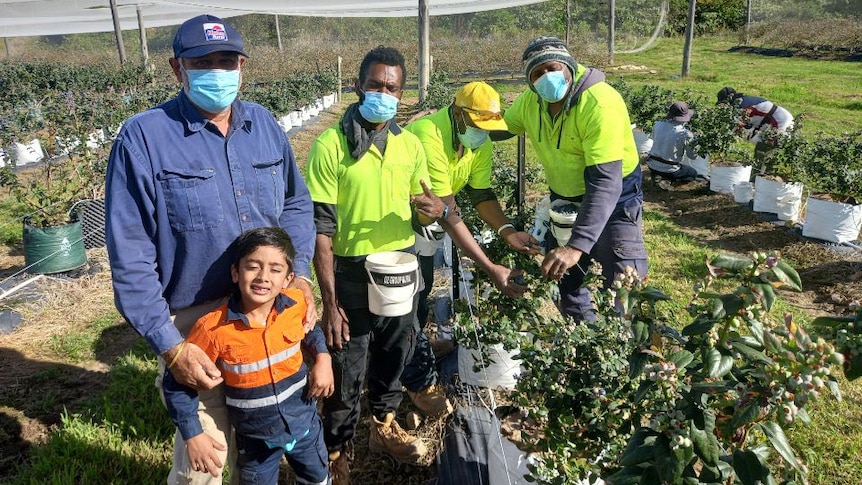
{"x":378,"y":107}
{"x":213,"y":90}
{"x":552,"y":86}
{"x":473,"y":137}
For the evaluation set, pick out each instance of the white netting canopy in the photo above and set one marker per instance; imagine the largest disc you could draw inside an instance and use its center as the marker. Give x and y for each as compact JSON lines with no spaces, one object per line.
{"x":20,"y":18}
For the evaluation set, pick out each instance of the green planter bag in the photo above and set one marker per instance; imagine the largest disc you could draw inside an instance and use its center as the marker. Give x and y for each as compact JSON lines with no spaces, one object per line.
{"x":53,"y":249}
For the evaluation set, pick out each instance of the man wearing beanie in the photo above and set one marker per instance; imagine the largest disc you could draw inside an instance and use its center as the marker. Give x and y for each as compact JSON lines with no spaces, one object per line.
{"x":184,"y":179}
{"x":580,"y":129}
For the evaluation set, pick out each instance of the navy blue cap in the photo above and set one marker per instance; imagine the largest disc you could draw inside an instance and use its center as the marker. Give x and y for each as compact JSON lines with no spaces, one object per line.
{"x":204,"y":35}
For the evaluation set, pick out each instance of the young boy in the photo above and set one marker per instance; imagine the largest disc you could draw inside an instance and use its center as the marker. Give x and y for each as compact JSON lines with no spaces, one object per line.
{"x":255,"y":340}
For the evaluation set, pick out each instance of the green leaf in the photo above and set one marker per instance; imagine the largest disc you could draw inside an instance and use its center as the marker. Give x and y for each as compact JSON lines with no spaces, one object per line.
{"x":732,"y":304}
{"x":724,"y":366}
{"x":636,"y":363}
{"x":653,"y":294}
{"x":745,"y":415}
{"x":749,"y":352}
{"x":779,"y":441}
{"x":681,"y":358}
{"x":711,"y":361}
{"x":792,"y":277}
{"x":748,"y":468}
{"x":756,"y":329}
{"x":638,"y":449}
{"x":767,"y":294}
{"x":701,"y":325}
{"x":705,"y":445}
{"x":730,"y":262}
{"x":629,"y":475}
{"x":640,"y":331}
{"x":802,"y":415}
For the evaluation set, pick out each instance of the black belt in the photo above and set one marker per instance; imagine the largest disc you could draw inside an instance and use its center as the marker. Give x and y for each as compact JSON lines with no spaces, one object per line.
{"x":662,"y":160}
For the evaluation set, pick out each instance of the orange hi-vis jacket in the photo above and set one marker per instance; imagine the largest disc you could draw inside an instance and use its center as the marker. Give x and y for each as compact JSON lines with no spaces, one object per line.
{"x":263,"y":370}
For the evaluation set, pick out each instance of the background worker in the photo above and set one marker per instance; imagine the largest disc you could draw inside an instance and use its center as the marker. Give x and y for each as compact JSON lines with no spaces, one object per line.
{"x":673,"y":143}
{"x":761,"y":113}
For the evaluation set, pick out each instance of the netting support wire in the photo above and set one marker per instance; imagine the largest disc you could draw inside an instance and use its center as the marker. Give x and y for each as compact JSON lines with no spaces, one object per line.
{"x":655,"y":33}
{"x":17,"y":287}
{"x":492,"y":402}
{"x":24,"y":269}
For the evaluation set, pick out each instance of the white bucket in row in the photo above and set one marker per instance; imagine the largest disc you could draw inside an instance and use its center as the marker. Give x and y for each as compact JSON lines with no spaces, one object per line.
{"x":743,"y":192}
{"x":562,"y":214}
{"x":777,"y":197}
{"x":832,"y":221}
{"x":393,"y":280}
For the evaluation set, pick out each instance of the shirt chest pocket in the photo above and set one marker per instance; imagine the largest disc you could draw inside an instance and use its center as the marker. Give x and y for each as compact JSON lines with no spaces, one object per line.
{"x":269,"y":177}
{"x":396,"y":181}
{"x":192,"y":199}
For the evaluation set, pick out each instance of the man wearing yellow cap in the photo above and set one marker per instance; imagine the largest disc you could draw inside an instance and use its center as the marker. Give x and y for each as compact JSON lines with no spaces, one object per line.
{"x":459,"y":152}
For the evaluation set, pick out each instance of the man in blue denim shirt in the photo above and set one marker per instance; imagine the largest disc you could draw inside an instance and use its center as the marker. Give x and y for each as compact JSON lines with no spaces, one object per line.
{"x":184,"y":180}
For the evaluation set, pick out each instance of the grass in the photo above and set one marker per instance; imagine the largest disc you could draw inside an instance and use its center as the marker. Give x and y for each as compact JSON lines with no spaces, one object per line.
{"x":120,"y":433}
{"x":827,"y":93}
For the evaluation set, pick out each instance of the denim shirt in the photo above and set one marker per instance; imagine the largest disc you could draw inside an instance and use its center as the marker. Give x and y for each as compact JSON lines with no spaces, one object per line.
{"x":179,"y":193}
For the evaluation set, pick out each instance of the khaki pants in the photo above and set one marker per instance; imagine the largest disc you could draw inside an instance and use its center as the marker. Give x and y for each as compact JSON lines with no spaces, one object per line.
{"x":212,"y":413}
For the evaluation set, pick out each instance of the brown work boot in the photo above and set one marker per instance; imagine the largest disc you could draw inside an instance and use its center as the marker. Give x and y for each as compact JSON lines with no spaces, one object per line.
{"x":339,"y":464}
{"x":432,"y":401}
{"x":387,"y":437}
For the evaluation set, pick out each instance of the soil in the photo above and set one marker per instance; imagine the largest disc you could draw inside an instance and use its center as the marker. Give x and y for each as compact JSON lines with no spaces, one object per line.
{"x":831,"y":275}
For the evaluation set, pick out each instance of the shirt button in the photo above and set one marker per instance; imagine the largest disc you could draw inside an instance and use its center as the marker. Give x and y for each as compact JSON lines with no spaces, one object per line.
{"x":239,"y":192}
{"x":245,"y":217}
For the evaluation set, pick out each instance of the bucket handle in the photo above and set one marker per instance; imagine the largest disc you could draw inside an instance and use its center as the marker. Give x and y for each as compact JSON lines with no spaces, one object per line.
{"x":383,"y":297}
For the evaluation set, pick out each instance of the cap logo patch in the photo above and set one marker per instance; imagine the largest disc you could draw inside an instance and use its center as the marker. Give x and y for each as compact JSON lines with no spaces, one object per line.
{"x":215,"y":32}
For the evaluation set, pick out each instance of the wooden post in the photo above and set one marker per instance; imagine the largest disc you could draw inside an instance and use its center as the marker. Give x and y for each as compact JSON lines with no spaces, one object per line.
{"x":142,"y":31}
{"x":612,"y":7}
{"x":338,"y":71}
{"x":689,"y":37}
{"x":568,"y":20}
{"x":118,"y":33}
{"x":747,"y":22}
{"x":424,"y":51}
{"x":278,"y":35}
{"x":6,"y":46}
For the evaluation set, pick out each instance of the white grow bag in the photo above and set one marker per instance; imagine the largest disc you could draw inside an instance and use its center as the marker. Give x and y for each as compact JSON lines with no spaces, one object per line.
{"x":722,"y":179}
{"x":781,"y":198}
{"x":832,"y":221}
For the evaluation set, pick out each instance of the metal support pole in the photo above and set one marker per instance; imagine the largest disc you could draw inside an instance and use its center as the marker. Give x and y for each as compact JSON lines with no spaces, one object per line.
{"x":748,"y":22}
{"x":6,"y":46}
{"x":278,"y":35}
{"x":424,"y":50}
{"x":118,"y":33}
{"x":689,"y":38}
{"x":338,"y":70}
{"x":612,"y":31}
{"x":142,"y":29}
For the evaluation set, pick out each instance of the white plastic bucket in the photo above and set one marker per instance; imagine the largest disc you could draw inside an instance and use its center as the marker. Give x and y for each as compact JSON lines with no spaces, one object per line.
{"x":743,"y":192}
{"x":562,"y":220}
{"x":393,"y":280}
{"x":429,"y":240}
{"x":777,"y":197}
